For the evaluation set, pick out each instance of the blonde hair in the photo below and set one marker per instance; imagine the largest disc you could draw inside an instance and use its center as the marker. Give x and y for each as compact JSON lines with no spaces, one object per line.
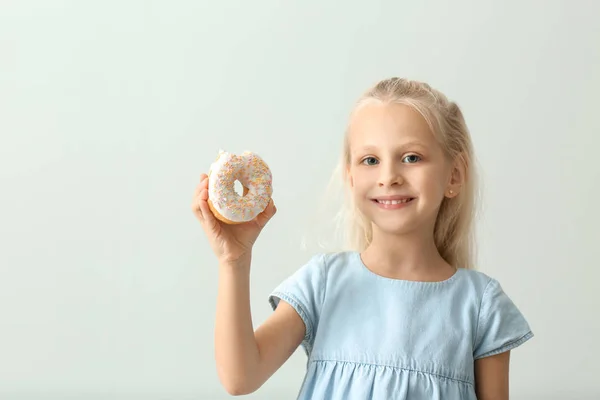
{"x":454,"y":227}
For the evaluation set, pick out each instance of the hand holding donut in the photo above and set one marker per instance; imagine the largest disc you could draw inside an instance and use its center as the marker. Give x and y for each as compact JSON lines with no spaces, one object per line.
{"x":232,"y":222}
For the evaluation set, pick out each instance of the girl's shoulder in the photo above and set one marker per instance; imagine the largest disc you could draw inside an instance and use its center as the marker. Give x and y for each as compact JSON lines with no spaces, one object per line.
{"x":480,"y":284}
{"x":331,"y":263}
{"x":475,"y":278}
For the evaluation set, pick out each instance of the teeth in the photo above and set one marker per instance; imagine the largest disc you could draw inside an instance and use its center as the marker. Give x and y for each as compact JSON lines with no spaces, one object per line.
{"x":393,"y":201}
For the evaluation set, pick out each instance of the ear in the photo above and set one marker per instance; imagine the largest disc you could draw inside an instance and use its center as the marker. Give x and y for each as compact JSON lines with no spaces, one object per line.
{"x":457,"y":177}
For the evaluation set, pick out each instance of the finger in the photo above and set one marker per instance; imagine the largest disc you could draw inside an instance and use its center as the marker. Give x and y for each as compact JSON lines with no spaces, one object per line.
{"x":207,"y":215}
{"x":202,"y":185}
{"x":199,"y":188}
{"x":203,"y":194}
{"x":196,"y":206}
{"x":267,"y":214}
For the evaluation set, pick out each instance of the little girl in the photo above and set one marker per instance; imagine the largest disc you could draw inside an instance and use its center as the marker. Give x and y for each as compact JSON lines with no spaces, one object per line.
{"x":402,"y":315}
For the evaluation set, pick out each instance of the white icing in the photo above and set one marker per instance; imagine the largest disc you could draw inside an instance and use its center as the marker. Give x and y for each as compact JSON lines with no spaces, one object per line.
{"x":252,"y":172}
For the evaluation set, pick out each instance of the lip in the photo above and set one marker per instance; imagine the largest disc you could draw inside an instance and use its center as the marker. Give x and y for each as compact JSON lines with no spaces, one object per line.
{"x":377,"y":201}
{"x":392,"y":197}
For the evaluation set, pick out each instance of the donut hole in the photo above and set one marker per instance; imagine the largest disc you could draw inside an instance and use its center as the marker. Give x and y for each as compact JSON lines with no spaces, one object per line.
{"x":238,"y":187}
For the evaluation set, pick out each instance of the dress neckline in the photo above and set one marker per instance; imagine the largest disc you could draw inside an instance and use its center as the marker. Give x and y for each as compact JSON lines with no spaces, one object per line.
{"x":404,"y":281}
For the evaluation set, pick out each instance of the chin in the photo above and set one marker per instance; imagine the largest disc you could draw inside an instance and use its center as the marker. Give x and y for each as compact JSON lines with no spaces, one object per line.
{"x":395,"y":226}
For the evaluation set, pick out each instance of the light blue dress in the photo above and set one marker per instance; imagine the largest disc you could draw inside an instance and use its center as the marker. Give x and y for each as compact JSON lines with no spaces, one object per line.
{"x":371,"y":337}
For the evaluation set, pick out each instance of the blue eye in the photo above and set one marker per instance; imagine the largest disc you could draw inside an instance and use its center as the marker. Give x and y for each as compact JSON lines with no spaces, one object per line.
{"x":413,"y":158}
{"x":370,"y":161}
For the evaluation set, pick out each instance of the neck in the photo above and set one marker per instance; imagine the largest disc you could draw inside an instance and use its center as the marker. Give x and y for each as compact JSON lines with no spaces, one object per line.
{"x":412,"y":256}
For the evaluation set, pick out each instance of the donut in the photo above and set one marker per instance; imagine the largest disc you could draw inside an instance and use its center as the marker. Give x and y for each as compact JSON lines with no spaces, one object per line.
{"x":255,"y":176}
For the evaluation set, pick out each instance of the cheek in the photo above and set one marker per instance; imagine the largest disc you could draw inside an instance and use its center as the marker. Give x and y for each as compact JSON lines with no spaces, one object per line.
{"x":431,"y":181}
{"x":361,"y":179}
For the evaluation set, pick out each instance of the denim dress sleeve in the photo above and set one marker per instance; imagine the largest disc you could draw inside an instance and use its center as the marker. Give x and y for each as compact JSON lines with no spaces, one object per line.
{"x":304,"y":291}
{"x":501,"y":326}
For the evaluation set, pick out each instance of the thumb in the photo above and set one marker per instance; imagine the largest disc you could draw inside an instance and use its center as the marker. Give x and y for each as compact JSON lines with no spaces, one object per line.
{"x":267,"y":214}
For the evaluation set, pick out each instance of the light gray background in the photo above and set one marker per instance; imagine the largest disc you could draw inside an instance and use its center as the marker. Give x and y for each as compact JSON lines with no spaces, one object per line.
{"x":110,"y":110}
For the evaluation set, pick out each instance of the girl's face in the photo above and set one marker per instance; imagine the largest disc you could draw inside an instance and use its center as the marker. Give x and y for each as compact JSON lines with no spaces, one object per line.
{"x":398,"y":172}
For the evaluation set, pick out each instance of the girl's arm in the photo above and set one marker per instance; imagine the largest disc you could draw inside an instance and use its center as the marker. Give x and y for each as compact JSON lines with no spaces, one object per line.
{"x":246,"y":359}
{"x":491,"y":377}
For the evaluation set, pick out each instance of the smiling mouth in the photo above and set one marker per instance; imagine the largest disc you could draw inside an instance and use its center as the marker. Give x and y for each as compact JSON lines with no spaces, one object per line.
{"x":394,"y":202}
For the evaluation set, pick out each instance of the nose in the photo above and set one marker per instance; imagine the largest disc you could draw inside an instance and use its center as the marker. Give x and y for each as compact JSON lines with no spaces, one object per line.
{"x":390,"y":175}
